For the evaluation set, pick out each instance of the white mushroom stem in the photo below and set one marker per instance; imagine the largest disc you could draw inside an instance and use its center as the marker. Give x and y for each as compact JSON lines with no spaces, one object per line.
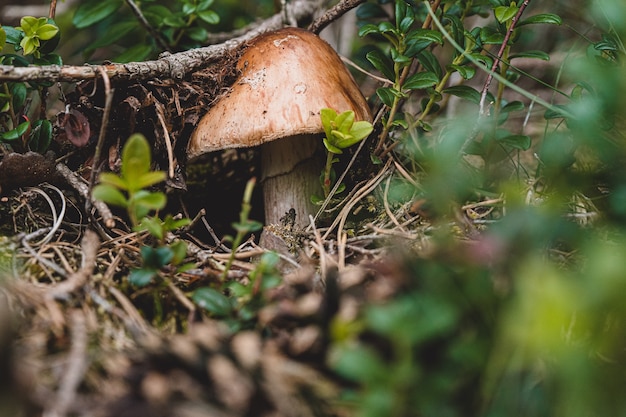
{"x":290,"y":171}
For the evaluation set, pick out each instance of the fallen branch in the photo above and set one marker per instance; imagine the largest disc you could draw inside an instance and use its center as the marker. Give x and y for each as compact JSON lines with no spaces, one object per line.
{"x":168,"y":66}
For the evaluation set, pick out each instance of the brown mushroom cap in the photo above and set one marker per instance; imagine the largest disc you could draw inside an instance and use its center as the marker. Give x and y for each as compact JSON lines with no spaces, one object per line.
{"x":287,"y":77}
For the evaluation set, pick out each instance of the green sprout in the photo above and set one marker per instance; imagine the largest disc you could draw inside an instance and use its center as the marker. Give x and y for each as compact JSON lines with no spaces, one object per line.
{"x":35,"y":31}
{"x":128,"y":190}
{"x":341,"y":132}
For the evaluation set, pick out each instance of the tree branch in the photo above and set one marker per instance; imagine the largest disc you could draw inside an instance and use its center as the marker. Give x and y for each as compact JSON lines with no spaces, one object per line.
{"x":174,"y":66}
{"x":333,"y":14}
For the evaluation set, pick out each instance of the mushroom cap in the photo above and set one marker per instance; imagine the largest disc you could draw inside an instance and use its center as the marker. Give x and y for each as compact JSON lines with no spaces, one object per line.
{"x":286,"y":77}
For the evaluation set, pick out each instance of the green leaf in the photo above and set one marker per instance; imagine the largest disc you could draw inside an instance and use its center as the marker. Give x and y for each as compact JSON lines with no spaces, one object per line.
{"x":16,"y":133}
{"x":47,"y":32}
{"x":89,"y":13}
{"x":522,"y":142}
{"x":331,"y":148}
{"x":213,"y":301}
{"x":421,"y":80}
{"x":153,"y":225}
{"x":149,"y":178}
{"x":141,"y":277}
{"x":19,"y":93}
{"x":344,"y":121}
{"x":13,"y":36}
{"x":136,"y":53}
{"x":464,"y":91}
{"x":490,"y":36}
{"x":432,"y":36}
{"x":41,"y":136}
{"x":149,"y":200}
{"x":328,"y":116}
{"x":111,"y":34}
{"x":3,"y":38}
{"x":196,"y":33}
{"x":179,"y":251}
{"x":114,"y":180}
{"x":209,"y":16}
{"x":29,"y":25}
{"x":370,"y":10}
{"x":512,"y":106}
{"x":359,"y":363}
{"x":430,"y":63}
{"x":547,"y":18}
{"x":156,"y":258}
{"x":486,"y":60}
{"x":386,"y":95}
{"x":367,"y":29}
{"x":466,"y":71}
{"x":110,"y":195}
{"x":136,"y":160}
{"x":204,"y":4}
{"x":531,"y":54}
{"x":175,"y":21}
{"x":382,"y":63}
{"x":361,"y":129}
{"x":505,"y":13}
{"x":29,"y":45}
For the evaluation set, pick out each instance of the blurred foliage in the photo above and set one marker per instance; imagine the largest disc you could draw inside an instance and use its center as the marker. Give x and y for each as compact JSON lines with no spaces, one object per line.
{"x":22,"y":126}
{"x":525,"y":317}
{"x":112,"y":30}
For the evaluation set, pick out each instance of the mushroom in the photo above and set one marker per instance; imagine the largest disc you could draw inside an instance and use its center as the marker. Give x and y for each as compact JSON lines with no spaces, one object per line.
{"x":286,"y":77}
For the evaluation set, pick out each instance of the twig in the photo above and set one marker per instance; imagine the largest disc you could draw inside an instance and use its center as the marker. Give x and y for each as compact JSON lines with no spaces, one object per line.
{"x":333,"y":14}
{"x":390,"y":214}
{"x":82,"y":189}
{"x":102,"y":135}
{"x":181,"y":297}
{"x":53,"y":9}
{"x":90,"y":245}
{"x":76,"y":367}
{"x":174,"y":66}
{"x":496,"y":62}
{"x":391,"y":232}
{"x":26,"y":244}
{"x":57,"y":219}
{"x":153,"y":33}
{"x":369,"y":187}
{"x":217,"y":240}
{"x":364,"y":71}
{"x":339,"y":181}
{"x":168,"y":140}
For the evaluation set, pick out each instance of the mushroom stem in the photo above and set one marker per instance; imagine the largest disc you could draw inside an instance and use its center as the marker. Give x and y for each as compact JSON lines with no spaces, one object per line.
{"x":290,"y":169}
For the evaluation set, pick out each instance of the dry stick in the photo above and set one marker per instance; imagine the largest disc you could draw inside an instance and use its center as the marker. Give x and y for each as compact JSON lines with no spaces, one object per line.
{"x":339,"y":180}
{"x":76,"y":182}
{"x":156,"y":35}
{"x":43,"y":261}
{"x":496,"y":62}
{"x":53,"y":9}
{"x":386,"y":204}
{"x":90,"y":245}
{"x":76,"y":367}
{"x":101,"y":138}
{"x":333,"y":14}
{"x":173,"y":66}
{"x":168,"y":140}
{"x":371,"y":184}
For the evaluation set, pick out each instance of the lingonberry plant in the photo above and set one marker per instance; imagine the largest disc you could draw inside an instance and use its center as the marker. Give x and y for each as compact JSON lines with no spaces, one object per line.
{"x":31,"y":43}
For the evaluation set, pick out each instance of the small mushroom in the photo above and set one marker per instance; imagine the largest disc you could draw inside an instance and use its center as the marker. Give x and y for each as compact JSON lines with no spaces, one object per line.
{"x":286,"y":77}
